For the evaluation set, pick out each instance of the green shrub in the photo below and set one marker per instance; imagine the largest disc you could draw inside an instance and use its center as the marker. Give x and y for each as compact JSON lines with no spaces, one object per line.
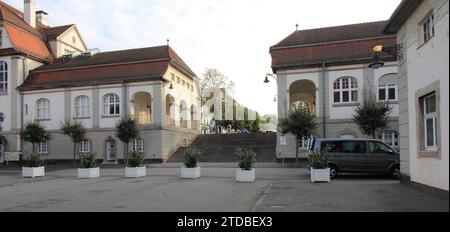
{"x":319,"y":159}
{"x":135,"y":159}
{"x":34,"y":161}
{"x":247,"y":158}
{"x":191,"y":157}
{"x":89,"y":160}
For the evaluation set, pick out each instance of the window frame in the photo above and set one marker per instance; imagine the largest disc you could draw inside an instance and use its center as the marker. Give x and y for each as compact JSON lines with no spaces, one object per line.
{"x":138,"y":143}
{"x":428,"y":30}
{"x":79,"y":105}
{"x":341,"y":90}
{"x":41,"y":147}
{"x":430,"y":116}
{"x":394,"y":138}
{"x":4,"y":82}
{"x":43,"y":111}
{"x":107,"y":105}
{"x":85,"y":146}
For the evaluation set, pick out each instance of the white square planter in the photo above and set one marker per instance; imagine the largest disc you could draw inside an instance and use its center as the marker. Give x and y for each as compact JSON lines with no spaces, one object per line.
{"x":320,"y":175}
{"x":245,"y":175}
{"x":33,"y":172}
{"x":135,"y":172}
{"x":191,"y":173}
{"x":88,"y":173}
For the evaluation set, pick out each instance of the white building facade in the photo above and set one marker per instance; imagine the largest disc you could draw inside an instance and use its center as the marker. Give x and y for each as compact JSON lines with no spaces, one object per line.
{"x":48,"y":75}
{"x":327,"y":69}
{"x":422,"y":28}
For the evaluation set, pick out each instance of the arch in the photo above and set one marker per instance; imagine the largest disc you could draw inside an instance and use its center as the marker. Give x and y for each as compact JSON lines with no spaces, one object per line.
{"x":82,"y":106}
{"x":43,"y":109}
{"x":3,"y":77}
{"x":170,"y":110}
{"x":141,"y":108}
{"x":111,"y":104}
{"x":183,"y":112}
{"x":346,"y":90}
{"x":303,"y":94}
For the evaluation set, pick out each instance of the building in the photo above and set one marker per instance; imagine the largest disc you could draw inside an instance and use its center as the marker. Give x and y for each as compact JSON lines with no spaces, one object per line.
{"x":327,"y":70}
{"x":422,"y":29}
{"x":48,"y":75}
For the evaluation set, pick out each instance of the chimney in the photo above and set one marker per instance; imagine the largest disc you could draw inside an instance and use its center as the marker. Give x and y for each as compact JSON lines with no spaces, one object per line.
{"x":42,"y":17}
{"x":29,"y":13}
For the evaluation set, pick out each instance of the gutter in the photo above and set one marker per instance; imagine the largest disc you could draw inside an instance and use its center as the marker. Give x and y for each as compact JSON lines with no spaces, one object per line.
{"x":324,"y":91}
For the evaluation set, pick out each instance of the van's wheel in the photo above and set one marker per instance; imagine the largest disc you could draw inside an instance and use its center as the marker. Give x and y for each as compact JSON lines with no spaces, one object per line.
{"x":333,"y":171}
{"x":395,"y":172}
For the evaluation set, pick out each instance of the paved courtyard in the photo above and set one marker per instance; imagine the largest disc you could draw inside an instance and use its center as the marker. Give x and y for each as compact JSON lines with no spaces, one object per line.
{"x":277,"y":189}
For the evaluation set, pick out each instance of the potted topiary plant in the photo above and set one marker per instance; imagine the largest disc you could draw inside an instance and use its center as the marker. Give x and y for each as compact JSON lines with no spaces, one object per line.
{"x":191,"y":170}
{"x":34,"y":168}
{"x":318,"y":160}
{"x":246,"y":171}
{"x":89,"y":168}
{"x":135,"y":168}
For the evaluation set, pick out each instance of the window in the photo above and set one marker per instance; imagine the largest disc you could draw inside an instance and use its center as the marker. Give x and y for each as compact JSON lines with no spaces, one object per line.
{"x":43,"y":109}
{"x":377,"y":147}
{"x":43,"y":147}
{"x":178,"y":80}
{"x":388,"y":88}
{"x":428,"y":28}
{"x":305,"y":142}
{"x":346,"y":90}
{"x":82,"y":107}
{"x":430,"y":121}
{"x":138,"y":145}
{"x":391,"y":138}
{"x":172,"y":77}
{"x":111,"y":105}
{"x":354,"y":147}
{"x":184,"y":83}
{"x":85,"y":146}
{"x":1,"y":38}
{"x":3,"y":77}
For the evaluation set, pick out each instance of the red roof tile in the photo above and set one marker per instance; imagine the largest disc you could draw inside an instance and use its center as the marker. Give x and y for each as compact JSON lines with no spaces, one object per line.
{"x":108,"y":67}
{"x":96,"y":75}
{"x":24,"y":38}
{"x":334,"y":45}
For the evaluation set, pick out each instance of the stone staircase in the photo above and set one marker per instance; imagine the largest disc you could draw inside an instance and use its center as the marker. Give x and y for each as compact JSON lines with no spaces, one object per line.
{"x":220,"y":148}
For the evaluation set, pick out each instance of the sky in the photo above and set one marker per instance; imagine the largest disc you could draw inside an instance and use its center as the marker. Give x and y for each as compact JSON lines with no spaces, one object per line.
{"x":233,"y":36}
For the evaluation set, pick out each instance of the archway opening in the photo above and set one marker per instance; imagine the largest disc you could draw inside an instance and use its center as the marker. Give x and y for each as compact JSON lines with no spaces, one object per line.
{"x":141,"y":109}
{"x":302,"y":93}
{"x":170,"y":110}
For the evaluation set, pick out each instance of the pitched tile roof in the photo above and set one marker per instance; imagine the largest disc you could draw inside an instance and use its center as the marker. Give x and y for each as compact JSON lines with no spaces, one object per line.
{"x":54,"y":32}
{"x":24,"y":38}
{"x":333,"y":45}
{"x":334,"y":34}
{"x":108,"y":67}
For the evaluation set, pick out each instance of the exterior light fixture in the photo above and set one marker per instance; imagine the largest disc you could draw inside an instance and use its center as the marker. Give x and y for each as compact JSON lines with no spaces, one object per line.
{"x":378,"y":50}
{"x":267,"y":81}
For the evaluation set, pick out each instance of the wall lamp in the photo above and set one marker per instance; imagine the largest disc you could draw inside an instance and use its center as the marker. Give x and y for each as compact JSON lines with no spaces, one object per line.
{"x":394,"y":51}
{"x":269,"y":75}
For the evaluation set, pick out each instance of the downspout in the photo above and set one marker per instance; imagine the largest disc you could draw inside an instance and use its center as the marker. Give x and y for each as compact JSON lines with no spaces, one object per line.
{"x":22,"y":105}
{"x":324,"y":95}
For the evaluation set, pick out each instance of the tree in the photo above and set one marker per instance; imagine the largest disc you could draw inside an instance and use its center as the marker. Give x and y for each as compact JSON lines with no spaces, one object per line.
{"x":212,"y":78}
{"x":372,"y":115}
{"x":76,"y":132}
{"x":126,"y":131}
{"x":299,"y":122}
{"x":34,"y":133}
